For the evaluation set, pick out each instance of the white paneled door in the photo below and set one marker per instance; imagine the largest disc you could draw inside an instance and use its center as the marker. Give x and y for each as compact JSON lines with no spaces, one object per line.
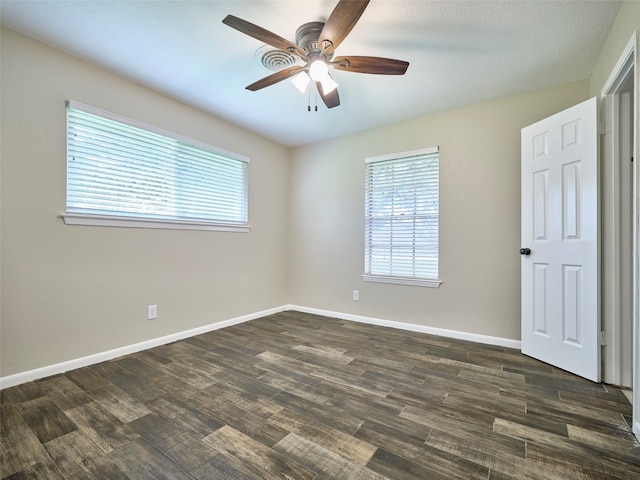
{"x":560,"y":292}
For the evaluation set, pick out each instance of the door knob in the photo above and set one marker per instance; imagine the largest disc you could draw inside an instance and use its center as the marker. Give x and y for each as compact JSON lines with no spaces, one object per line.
{"x":525,"y":251}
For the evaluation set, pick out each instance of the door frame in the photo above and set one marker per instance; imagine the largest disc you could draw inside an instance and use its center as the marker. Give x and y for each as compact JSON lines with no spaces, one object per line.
{"x":617,"y":143}
{"x":612,"y":363}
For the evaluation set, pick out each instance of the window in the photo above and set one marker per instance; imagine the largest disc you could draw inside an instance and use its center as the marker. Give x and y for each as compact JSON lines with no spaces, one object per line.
{"x":401,"y":218}
{"x":123,"y":173}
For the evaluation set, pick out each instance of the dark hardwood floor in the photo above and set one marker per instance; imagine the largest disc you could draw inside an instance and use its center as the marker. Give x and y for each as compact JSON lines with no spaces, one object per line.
{"x":299,"y":396}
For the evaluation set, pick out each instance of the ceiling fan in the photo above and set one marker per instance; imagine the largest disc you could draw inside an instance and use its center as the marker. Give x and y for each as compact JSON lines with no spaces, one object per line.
{"x":315,"y":44}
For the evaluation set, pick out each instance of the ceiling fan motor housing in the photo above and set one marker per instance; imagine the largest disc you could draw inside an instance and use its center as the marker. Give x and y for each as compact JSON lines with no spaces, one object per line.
{"x":307,"y":37}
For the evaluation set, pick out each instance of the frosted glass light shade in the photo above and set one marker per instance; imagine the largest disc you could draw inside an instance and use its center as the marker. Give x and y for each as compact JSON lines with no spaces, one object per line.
{"x":318,"y":70}
{"x":301,"y":81}
{"x":328,"y":84}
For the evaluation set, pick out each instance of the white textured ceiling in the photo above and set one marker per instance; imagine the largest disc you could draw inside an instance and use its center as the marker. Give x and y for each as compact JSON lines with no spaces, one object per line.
{"x":460,"y":53}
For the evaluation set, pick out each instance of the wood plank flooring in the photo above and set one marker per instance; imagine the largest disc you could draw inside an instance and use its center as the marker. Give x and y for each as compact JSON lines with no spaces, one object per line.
{"x":298,"y":396}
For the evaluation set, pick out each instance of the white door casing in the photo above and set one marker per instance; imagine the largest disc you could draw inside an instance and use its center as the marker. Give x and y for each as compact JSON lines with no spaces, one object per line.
{"x":560,"y":276}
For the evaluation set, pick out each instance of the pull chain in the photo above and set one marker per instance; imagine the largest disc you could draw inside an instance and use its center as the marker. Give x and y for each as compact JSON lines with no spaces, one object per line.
{"x":315,"y":108}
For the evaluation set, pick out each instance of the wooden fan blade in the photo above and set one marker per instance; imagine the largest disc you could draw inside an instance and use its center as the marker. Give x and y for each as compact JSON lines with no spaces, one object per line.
{"x":375,"y":65}
{"x":262,"y":34}
{"x":340,"y":22}
{"x":331,"y":99}
{"x":275,"y":78}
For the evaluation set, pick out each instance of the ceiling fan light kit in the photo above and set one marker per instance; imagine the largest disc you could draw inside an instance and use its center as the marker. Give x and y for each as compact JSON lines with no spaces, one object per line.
{"x":315,"y":44}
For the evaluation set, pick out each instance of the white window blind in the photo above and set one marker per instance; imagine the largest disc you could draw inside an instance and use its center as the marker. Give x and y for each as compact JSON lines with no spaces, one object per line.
{"x":117,"y":168}
{"x":401,"y":217}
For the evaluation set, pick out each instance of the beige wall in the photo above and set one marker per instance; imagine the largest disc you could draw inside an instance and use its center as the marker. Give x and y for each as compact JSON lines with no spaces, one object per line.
{"x":480,"y":209}
{"x":479,"y":217}
{"x":72,"y":291}
{"x":69,"y":292}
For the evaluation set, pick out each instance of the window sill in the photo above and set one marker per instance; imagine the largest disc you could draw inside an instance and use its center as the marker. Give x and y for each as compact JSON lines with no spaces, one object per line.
{"x":131,"y":222}
{"x":402,"y":281}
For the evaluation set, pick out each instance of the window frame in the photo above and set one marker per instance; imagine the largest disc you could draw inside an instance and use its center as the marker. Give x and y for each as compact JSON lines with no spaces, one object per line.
{"x":399,"y":279}
{"x":124,"y":220}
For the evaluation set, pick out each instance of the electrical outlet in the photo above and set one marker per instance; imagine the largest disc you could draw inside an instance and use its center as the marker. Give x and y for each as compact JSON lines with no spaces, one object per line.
{"x":152,"y":312}
{"x":356,"y":295}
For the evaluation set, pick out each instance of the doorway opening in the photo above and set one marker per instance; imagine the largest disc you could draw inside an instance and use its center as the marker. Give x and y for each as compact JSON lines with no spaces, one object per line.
{"x":619,"y":238}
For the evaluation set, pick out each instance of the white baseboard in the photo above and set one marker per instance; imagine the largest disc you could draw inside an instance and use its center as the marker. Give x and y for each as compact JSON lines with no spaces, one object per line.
{"x":38,"y":373}
{"x":472,"y":337}
{"x":30,"y":375}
